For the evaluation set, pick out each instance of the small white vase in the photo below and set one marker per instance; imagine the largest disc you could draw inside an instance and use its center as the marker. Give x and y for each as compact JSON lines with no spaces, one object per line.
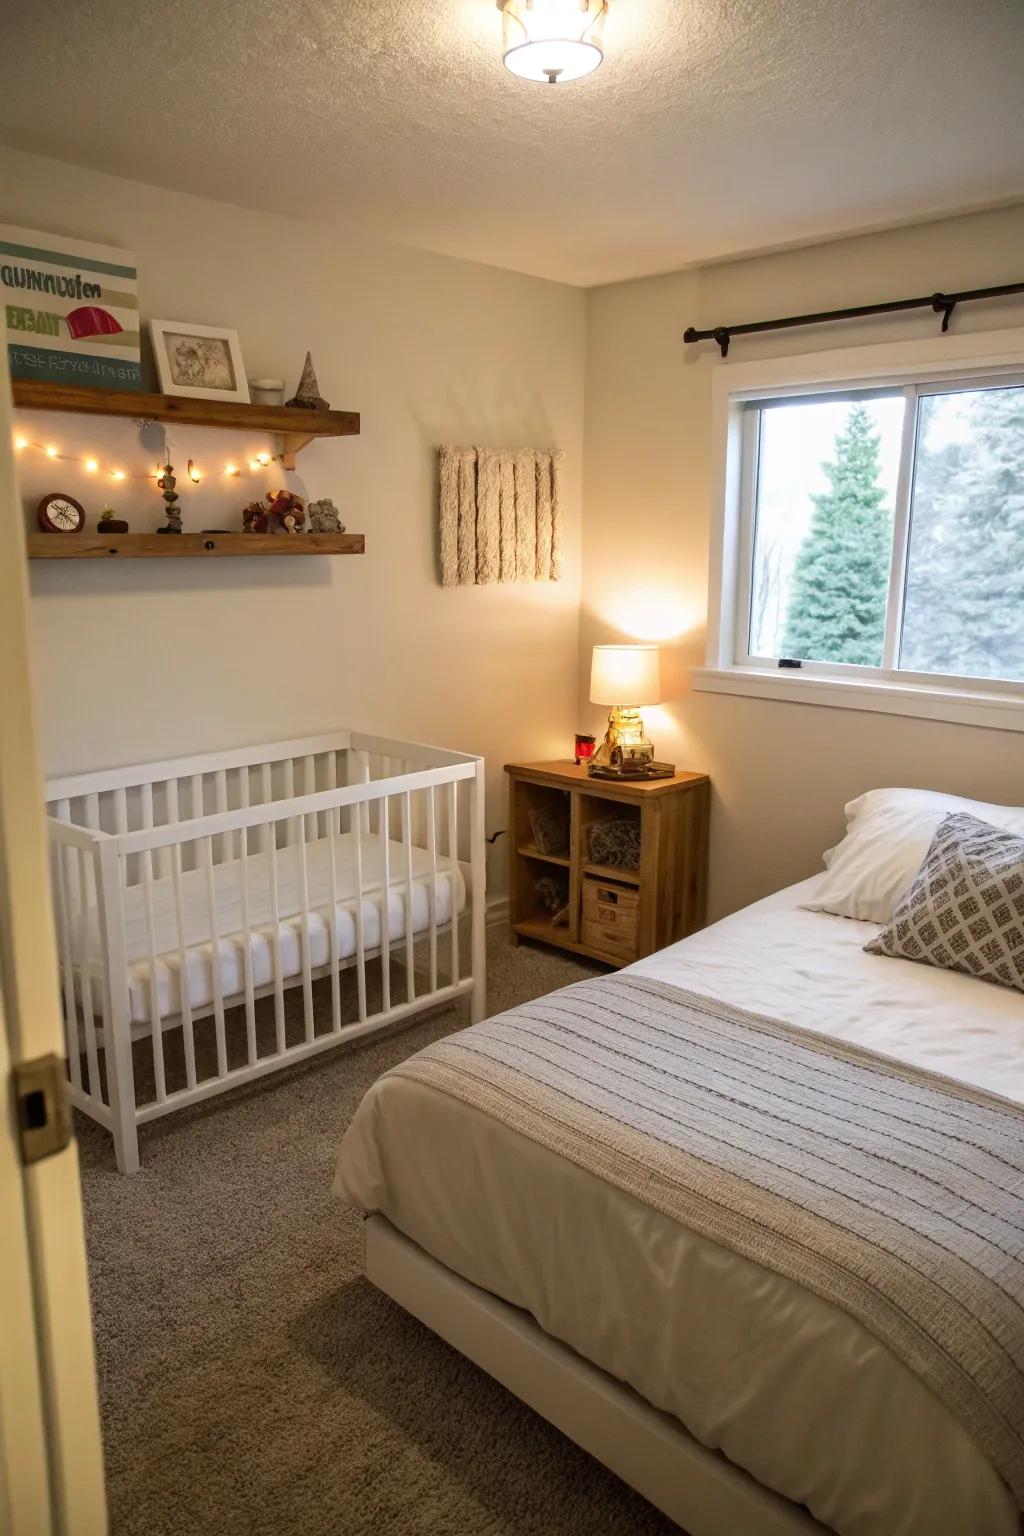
{"x":266,"y":391}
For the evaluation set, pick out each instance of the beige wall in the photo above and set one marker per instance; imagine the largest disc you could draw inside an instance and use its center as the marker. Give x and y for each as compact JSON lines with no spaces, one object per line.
{"x":145,"y":660}
{"x":781,"y":772}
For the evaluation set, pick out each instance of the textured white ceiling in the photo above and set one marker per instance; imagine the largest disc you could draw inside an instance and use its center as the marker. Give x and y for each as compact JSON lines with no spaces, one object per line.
{"x":713,"y":126}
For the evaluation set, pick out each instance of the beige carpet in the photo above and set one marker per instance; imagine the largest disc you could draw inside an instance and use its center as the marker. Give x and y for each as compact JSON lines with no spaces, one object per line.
{"x":252,"y":1381}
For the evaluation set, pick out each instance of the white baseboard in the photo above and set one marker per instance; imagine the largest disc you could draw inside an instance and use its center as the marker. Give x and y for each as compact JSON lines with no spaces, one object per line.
{"x":497,"y":911}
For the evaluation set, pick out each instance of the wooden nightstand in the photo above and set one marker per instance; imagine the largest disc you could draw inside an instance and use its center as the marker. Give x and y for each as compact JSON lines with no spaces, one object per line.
{"x":611,"y":914}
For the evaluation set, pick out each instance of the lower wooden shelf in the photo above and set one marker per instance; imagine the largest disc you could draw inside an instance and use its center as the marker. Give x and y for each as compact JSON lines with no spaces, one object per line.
{"x":546,"y":933}
{"x":170,"y":546}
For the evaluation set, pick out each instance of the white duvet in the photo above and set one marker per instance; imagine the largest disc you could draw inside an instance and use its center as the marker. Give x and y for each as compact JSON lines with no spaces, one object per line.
{"x":784,"y":1384}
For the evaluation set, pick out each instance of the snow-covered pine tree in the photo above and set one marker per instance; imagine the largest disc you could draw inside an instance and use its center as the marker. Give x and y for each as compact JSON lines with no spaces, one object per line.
{"x":964,"y":611}
{"x":837,"y":595}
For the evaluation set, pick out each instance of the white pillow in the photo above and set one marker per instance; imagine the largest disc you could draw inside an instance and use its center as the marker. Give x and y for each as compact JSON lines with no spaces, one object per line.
{"x":888,"y":833}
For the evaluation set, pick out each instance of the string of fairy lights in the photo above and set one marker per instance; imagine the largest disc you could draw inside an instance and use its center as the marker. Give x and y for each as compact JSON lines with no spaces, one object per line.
{"x":92,"y":465}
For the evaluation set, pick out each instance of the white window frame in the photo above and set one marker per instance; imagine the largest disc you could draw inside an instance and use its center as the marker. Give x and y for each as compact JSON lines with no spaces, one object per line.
{"x":915,"y":367}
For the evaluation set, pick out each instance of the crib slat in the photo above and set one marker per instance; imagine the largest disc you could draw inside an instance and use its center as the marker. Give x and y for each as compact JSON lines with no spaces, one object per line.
{"x":410,"y":969}
{"x":357,"y":844}
{"x":155,"y":1017}
{"x":384,"y":804}
{"x":243,"y":862}
{"x":92,"y":819}
{"x":220,"y":791}
{"x":385,"y":902}
{"x":432,"y":887}
{"x":162,"y":856}
{"x":269,"y":829}
{"x":363,"y":777}
{"x":307,"y":980}
{"x":332,"y":819}
{"x":332,"y":919}
{"x":218,"y":987}
{"x":453,"y":876}
{"x":160,"y":859}
{"x":71,"y":1036}
{"x":288,"y":772}
{"x":309,"y":788}
{"x":275,"y":918}
{"x":146,"y":879}
{"x":120,"y":810}
{"x":184,"y":1001}
{"x":198,"y":808}
{"x":91,"y":1057}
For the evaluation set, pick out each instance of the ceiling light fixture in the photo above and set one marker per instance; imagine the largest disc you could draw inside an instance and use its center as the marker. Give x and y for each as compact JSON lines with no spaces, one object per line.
{"x":553,"y":41}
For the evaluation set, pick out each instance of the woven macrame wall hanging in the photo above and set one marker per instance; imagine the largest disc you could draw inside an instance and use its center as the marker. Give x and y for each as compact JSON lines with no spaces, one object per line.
{"x":500,"y":515}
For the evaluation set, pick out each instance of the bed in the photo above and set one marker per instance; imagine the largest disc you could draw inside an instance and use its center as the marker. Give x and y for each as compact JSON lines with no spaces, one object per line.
{"x":734,"y":1398}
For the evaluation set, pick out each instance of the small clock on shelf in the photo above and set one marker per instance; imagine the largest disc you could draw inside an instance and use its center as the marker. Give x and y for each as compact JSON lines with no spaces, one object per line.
{"x":60,"y":513}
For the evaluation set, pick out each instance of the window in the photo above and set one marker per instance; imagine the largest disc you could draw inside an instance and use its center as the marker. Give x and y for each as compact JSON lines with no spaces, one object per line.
{"x":881,"y":533}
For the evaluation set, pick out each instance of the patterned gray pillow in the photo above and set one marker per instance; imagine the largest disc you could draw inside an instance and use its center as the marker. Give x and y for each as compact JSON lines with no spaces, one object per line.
{"x":964,"y":909}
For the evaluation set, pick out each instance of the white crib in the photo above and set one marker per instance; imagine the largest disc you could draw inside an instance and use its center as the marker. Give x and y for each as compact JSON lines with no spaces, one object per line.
{"x":187,"y":892}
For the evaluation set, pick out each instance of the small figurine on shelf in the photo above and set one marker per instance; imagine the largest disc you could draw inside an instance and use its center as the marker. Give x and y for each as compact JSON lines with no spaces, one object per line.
{"x":108,"y":523}
{"x":288,"y":509}
{"x":324,"y":517}
{"x":308,"y":397}
{"x":254,"y":517}
{"x":282,"y":508}
{"x":167,"y":483}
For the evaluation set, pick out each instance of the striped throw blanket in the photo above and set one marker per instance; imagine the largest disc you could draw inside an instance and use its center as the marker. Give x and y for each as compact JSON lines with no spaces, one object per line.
{"x":891,"y":1192}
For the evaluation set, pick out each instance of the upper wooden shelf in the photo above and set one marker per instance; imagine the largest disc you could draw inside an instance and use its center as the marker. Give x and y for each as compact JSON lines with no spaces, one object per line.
{"x":297,"y":427}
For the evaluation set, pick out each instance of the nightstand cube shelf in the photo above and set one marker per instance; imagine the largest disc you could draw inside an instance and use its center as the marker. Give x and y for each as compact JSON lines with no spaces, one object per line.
{"x":606,"y":911}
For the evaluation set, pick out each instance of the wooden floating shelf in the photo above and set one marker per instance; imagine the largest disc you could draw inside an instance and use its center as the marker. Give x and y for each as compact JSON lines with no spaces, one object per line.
{"x":164,"y":546}
{"x":296,"y":427}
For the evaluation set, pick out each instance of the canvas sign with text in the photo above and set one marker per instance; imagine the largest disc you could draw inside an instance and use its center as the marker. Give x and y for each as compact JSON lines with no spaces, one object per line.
{"x":71,"y":310}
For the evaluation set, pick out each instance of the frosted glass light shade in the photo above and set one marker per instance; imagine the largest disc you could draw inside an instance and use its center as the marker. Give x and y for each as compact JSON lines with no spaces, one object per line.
{"x":553,"y":41}
{"x":625,"y":674}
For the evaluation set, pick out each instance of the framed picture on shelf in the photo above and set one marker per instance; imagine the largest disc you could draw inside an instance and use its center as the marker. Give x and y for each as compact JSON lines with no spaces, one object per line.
{"x":202,"y":362}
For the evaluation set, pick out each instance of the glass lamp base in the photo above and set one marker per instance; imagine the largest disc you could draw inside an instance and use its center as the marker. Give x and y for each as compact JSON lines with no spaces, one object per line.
{"x":625,"y":743}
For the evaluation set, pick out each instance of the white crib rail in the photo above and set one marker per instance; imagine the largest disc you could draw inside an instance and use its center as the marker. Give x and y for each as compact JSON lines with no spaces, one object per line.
{"x":202,"y":982}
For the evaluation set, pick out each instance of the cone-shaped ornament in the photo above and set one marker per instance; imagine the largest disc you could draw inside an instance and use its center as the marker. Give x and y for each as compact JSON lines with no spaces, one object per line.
{"x":308,"y":397}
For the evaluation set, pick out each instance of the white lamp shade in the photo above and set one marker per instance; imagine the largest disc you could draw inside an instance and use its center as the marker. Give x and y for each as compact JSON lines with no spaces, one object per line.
{"x":628,"y":675}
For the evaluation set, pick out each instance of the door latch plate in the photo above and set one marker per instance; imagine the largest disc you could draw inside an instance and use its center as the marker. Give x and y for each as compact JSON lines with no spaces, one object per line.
{"x":44,"y":1113}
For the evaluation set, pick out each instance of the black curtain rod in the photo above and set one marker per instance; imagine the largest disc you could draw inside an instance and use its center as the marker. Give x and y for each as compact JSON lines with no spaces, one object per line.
{"x":942,"y":303}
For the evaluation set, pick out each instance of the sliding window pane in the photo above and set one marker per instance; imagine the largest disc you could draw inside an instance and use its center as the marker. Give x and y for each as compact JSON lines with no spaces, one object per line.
{"x":826,"y":488}
{"x":964,"y":607}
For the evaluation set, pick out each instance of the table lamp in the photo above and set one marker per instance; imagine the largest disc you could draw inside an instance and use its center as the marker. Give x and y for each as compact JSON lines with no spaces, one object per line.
{"x":625,"y":677}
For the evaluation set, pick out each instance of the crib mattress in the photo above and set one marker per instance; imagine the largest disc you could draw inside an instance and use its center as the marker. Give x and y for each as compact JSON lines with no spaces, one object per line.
{"x":210,"y":933}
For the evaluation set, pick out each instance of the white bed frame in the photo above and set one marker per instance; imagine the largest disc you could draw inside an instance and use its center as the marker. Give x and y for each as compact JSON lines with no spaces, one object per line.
{"x":128,"y":827}
{"x":652,"y":1452}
